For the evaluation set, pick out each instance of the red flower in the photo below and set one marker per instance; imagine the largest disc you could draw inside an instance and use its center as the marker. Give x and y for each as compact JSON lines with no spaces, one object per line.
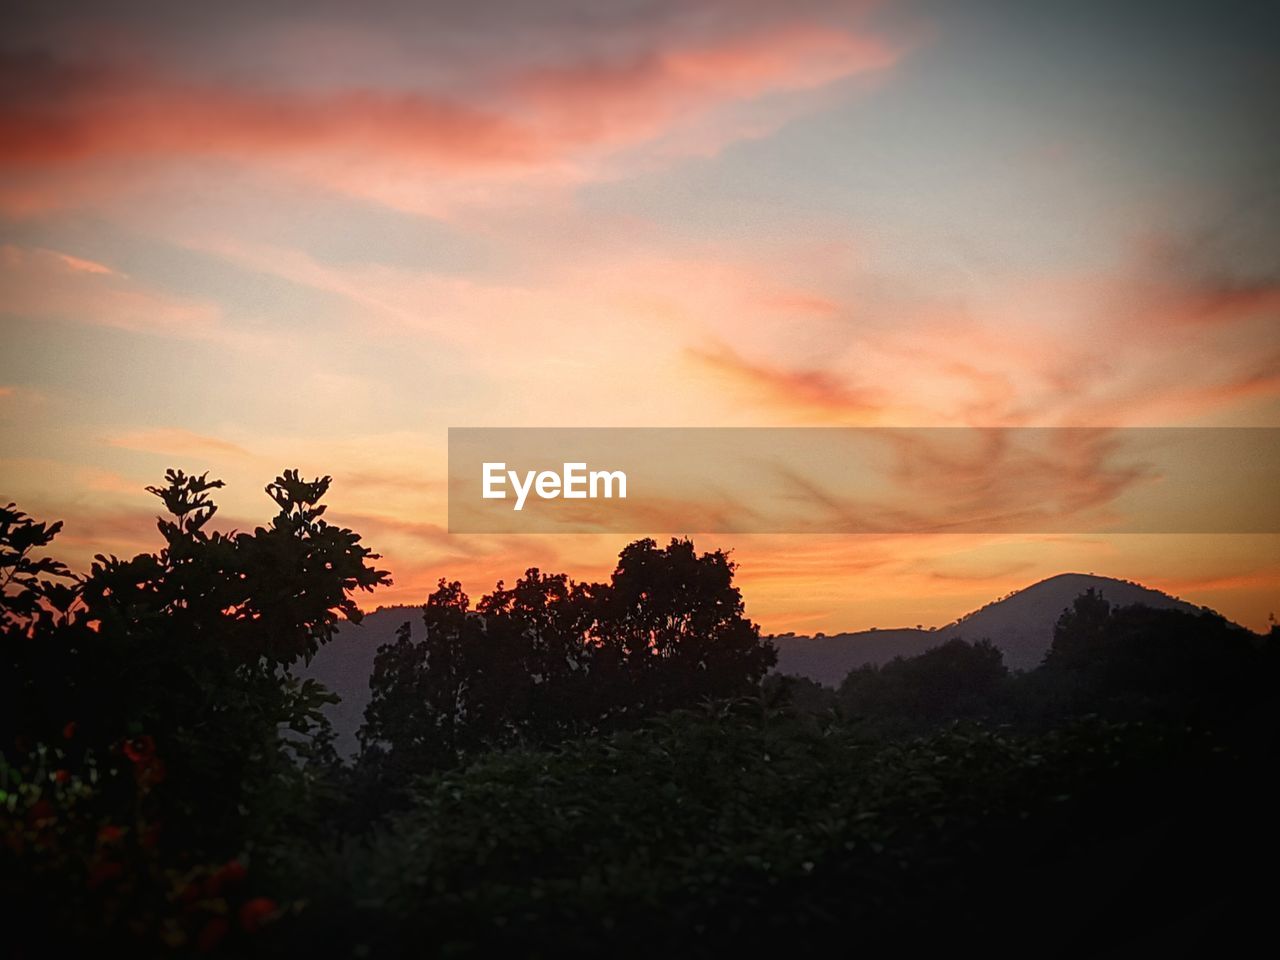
{"x":69,"y":730}
{"x":150,"y":773}
{"x":228,"y":875}
{"x":212,"y":934}
{"x":255,"y":913}
{"x":61,"y":776}
{"x":148,"y":769}
{"x":109,"y":834}
{"x":141,"y":750}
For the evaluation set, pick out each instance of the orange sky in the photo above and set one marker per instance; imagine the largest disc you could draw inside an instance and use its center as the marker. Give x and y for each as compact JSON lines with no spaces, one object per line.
{"x":318,"y":237}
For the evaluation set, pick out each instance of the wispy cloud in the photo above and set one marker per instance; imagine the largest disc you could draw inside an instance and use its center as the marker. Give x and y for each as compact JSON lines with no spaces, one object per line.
{"x":83,"y":265}
{"x":557,"y":120}
{"x":170,"y":441}
{"x":44,"y":284}
{"x":814,"y":394}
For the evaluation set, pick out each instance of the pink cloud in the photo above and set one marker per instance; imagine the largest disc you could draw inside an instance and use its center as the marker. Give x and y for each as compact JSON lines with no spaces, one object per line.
{"x":635,"y":99}
{"x":49,"y":285}
{"x":556,"y":121}
{"x":82,"y":265}
{"x":815,"y":394}
{"x":177,"y":442}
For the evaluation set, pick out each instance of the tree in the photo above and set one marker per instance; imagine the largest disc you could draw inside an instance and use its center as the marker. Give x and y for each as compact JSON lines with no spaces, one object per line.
{"x":190,"y":646}
{"x":955,"y":679}
{"x":549,"y":658}
{"x":418,"y":710}
{"x":36,"y":595}
{"x":532,"y":675}
{"x":1079,"y":632}
{"x":670,"y":629}
{"x":1138,"y":660}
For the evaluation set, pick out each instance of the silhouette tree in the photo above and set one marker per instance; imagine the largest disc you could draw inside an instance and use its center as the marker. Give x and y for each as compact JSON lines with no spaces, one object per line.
{"x":1079,"y":632}
{"x":532,"y":681}
{"x":955,"y":679}
{"x":190,"y":646}
{"x":549,"y":658}
{"x":669,"y":630}
{"x":36,"y":596}
{"x":1138,"y":660}
{"x":419,"y":711}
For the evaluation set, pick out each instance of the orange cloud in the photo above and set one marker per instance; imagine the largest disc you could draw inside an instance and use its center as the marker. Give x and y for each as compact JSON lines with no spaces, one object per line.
{"x":46,"y":284}
{"x":179,"y":443}
{"x":82,"y":265}
{"x":619,"y":102}
{"x":69,"y":113}
{"x":814,"y":393}
{"x":1224,"y":303}
{"x":375,"y":141}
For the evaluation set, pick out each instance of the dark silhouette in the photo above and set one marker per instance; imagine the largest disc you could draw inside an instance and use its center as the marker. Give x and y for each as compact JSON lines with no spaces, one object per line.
{"x":585,"y":769}
{"x":157,"y":689}
{"x":955,"y":679}
{"x":548,"y":658}
{"x":1021,"y":624}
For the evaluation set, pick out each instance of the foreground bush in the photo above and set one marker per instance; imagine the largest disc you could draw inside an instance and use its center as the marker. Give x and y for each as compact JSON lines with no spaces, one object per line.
{"x":701,"y":834}
{"x":142,"y":706}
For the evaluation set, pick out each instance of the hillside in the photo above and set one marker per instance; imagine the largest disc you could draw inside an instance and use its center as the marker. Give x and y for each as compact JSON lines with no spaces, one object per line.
{"x":1021,"y":625}
{"x":345,"y":665}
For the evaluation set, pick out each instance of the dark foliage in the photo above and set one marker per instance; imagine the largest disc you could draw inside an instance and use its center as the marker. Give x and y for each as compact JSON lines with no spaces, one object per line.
{"x":157,"y":688}
{"x":956,"y":679}
{"x":731,"y":830}
{"x":1139,"y":661}
{"x":548,"y":659}
{"x":566,"y":769}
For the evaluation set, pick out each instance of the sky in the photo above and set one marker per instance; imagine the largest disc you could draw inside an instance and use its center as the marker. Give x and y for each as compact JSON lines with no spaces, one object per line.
{"x":243,"y":237}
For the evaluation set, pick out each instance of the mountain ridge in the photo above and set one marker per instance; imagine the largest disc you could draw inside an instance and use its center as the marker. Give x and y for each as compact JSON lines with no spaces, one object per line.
{"x":1019,"y":623}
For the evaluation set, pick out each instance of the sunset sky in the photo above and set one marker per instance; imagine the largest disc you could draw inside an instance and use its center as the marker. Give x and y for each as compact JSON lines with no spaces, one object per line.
{"x":240,"y":237}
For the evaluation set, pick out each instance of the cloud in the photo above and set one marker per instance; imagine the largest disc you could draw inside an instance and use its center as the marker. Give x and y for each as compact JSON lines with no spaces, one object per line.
{"x":169,"y":441}
{"x":982,"y":576}
{"x":71,"y":116}
{"x":87,"y":532}
{"x":814,"y":394}
{"x":637,"y":98}
{"x":1263,"y":577}
{"x":50,"y":285}
{"x":557,"y":121}
{"x":84,"y":266}
{"x":1220,"y":303}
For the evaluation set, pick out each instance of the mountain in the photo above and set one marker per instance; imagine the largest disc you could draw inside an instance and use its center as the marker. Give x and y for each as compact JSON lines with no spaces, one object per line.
{"x":1021,"y":625}
{"x":345,"y":664}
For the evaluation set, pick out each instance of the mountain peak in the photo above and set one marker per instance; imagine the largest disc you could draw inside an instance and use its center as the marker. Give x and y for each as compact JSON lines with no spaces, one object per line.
{"x":1020,"y":624}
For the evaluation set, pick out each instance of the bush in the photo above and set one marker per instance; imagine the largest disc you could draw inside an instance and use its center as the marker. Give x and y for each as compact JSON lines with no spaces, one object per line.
{"x":702,"y":833}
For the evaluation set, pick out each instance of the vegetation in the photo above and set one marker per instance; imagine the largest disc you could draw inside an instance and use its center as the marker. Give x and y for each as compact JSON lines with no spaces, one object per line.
{"x":567,"y":769}
{"x":549,"y":659}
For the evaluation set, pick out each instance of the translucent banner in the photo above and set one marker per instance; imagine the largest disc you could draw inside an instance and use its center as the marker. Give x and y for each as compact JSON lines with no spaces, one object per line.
{"x":864,"y":480}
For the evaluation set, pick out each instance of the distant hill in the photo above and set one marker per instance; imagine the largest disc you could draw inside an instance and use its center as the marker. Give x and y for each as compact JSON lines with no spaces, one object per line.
{"x":1021,"y":625}
{"x":345,"y":664}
